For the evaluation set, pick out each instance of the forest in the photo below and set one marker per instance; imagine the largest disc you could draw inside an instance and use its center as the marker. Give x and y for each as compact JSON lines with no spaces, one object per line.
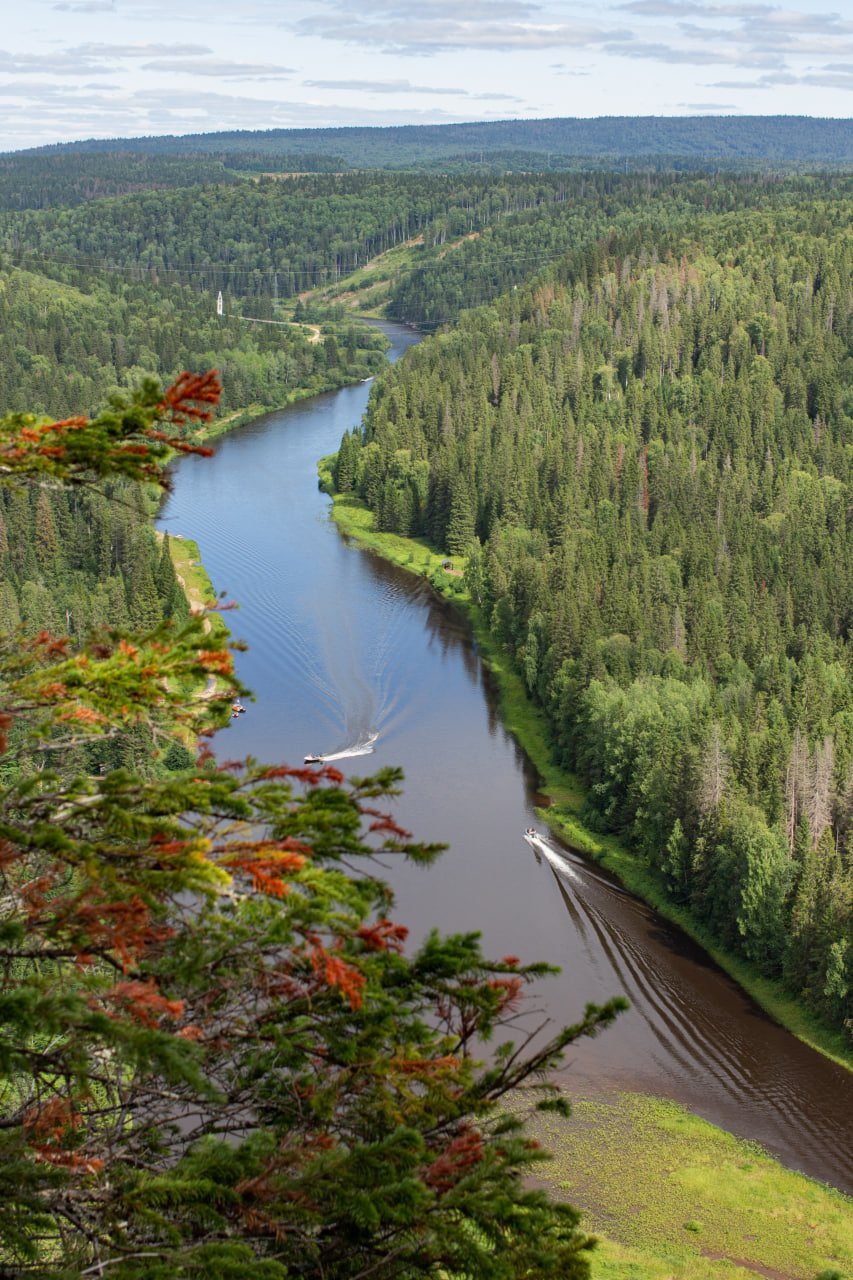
{"x":45,"y":181}
{"x":695,"y":141}
{"x":637,"y":429}
{"x":66,"y":347}
{"x":645,"y":456}
{"x":277,"y":237}
{"x":632,"y":423}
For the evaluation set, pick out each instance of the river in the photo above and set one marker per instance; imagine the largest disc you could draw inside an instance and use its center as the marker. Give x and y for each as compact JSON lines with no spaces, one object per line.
{"x":342,"y":647}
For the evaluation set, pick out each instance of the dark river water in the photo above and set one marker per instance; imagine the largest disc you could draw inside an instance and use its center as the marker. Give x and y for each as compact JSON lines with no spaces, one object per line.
{"x":343,"y":647}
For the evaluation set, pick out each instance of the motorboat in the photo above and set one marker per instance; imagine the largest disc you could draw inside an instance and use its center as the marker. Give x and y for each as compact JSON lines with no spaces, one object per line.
{"x":313,"y":759}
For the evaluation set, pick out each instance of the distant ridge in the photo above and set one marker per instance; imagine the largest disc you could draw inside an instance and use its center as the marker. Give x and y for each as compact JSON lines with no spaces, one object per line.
{"x":686,"y":141}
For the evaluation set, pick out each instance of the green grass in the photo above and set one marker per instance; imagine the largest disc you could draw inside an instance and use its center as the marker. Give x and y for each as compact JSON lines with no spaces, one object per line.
{"x":194,"y":580}
{"x":220,"y":426}
{"x":677,"y":1199}
{"x":367,"y":290}
{"x":528,"y":724}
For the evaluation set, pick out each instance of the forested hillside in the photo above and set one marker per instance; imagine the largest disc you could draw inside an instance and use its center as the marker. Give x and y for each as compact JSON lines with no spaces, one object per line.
{"x":65,"y":347}
{"x":782,"y":141}
{"x":73,"y":561}
{"x":60,"y":180}
{"x":646,"y":456}
{"x":276,"y":237}
{"x":512,"y":249}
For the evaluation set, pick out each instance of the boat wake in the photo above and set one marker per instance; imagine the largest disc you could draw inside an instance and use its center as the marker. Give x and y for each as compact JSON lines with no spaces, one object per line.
{"x":540,"y":845}
{"x":362,"y":747}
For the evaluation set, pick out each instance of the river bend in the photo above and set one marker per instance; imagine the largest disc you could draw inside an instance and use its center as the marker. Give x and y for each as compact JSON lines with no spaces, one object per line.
{"x":343,"y":647}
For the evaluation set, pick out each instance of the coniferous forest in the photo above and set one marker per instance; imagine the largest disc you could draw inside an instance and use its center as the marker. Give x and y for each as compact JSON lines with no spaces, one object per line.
{"x":637,"y":427}
{"x":630,"y":421}
{"x":645,"y":455}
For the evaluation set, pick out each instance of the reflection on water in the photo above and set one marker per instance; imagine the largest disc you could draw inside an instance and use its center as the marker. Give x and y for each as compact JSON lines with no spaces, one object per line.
{"x":343,"y":646}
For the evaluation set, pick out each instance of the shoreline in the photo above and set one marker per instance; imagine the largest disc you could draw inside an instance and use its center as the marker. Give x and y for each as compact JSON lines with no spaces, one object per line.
{"x":699,"y":1203}
{"x":253,"y":411}
{"x":527,"y":724}
{"x":740,"y":1224}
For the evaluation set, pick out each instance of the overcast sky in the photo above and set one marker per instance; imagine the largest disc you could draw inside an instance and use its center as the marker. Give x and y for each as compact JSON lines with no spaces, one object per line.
{"x":118,"y":68}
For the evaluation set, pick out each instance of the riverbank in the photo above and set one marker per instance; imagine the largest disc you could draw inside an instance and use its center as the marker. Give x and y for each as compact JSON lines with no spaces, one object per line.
{"x":193,"y":579}
{"x":528,"y":725}
{"x":697,"y":1203}
{"x":200,"y":595}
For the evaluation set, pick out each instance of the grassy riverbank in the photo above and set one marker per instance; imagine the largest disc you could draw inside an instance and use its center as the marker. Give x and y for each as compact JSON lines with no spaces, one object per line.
{"x":194,"y":579}
{"x":529,"y":726}
{"x":670,"y":1196}
{"x":674,"y":1198}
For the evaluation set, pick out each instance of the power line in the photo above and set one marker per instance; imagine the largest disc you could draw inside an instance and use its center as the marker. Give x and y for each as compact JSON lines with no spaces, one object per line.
{"x":235,"y":269}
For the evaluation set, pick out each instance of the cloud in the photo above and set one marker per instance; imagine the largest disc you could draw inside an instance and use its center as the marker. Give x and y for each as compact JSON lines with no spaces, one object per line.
{"x":708,"y":106}
{"x":64,"y":63}
{"x":737,"y":84}
{"x":690,"y":8}
{"x":87,"y":6}
{"x":424,"y":35}
{"x":39,"y":90}
{"x":752,"y":34}
{"x":188,"y":110}
{"x":764,"y":38}
{"x":828,"y":79}
{"x":438,"y":11}
{"x":200,"y":12}
{"x":832,"y":76}
{"x":406,"y":86}
{"x":379,"y":86}
{"x":220,"y":67}
{"x":698,"y":57}
{"x":140,"y":50}
{"x":788,"y":20}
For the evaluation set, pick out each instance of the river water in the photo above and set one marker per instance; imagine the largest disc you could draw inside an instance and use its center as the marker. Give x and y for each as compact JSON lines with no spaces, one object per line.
{"x":343,"y":647}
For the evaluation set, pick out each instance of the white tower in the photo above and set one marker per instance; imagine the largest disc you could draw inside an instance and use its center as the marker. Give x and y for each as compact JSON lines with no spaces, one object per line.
{"x":219,"y":304}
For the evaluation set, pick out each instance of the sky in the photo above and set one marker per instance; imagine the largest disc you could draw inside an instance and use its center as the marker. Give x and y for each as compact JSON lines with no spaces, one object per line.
{"x":121,"y":68}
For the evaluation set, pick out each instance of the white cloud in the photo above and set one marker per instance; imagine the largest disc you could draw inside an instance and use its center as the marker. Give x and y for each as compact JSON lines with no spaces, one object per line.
{"x":92,"y":50}
{"x":832,"y":76}
{"x":693,"y":55}
{"x":219,"y":67}
{"x":380,"y":86}
{"x":86,"y":6}
{"x":63,"y":63}
{"x":424,"y":35}
{"x":690,"y":8}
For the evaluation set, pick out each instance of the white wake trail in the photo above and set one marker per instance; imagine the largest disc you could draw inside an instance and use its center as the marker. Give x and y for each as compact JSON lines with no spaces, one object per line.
{"x":364,"y":748}
{"x":557,"y":861}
